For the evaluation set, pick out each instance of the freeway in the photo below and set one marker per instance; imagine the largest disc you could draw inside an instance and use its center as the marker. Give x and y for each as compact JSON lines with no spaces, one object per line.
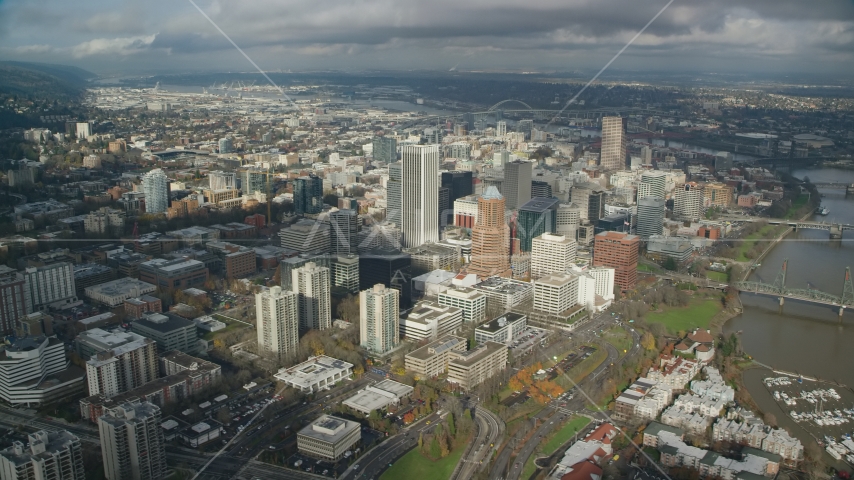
{"x":235,"y":458}
{"x":489,"y":430}
{"x":552,"y":415}
{"x":376,"y":460}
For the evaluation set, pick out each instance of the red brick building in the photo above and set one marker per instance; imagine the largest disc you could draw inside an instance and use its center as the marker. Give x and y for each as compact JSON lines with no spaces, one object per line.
{"x":258,"y":221}
{"x":135,"y":307}
{"x":620,"y":252}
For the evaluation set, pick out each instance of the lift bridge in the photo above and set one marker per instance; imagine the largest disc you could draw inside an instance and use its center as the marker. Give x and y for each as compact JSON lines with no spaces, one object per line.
{"x":779,"y":289}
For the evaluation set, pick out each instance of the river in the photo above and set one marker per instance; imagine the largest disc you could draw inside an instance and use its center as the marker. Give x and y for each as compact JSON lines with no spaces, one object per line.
{"x":802,"y":337}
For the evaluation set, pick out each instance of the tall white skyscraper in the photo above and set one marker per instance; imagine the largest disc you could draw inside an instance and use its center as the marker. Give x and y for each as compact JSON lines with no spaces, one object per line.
{"x":613,"y":154}
{"x":49,"y":455}
{"x":132,"y":444}
{"x":652,"y":184}
{"x":311,"y":283}
{"x":420,"y":194}
{"x":552,"y":254}
{"x":155,"y":184}
{"x":379,"y":330}
{"x":277,"y":321}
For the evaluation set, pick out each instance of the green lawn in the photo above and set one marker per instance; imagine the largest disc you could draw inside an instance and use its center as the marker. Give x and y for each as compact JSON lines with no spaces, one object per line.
{"x":768,"y":232}
{"x":565,"y":433}
{"x":797,"y":204}
{"x":645,"y":268}
{"x":717,"y":276}
{"x":696,"y":315}
{"x":529,"y":468}
{"x":619,"y":338}
{"x":413,"y":463}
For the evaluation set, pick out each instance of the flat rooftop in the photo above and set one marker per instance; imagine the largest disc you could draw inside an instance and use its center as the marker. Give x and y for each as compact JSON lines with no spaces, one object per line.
{"x":445,"y":343}
{"x":329,"y":429}
{"x":470,"y":357}
{"x":498,"y":323}
{"x":503,"y":285}
{"x":122,"y":286}
{"x":313,"y":370}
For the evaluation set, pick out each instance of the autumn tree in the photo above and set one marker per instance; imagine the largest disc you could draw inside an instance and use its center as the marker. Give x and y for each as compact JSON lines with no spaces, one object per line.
{"x":647,"y":341}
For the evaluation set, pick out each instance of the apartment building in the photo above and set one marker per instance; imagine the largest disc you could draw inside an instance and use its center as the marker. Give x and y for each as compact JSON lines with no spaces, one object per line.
{"x":48,"y":455}
{"x":132,"y":444}
{"x":123,"y":367}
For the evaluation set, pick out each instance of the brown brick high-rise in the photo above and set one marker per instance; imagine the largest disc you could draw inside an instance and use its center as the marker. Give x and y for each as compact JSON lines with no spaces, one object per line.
{"x":620,"y":252}
{"x":490,"y":237}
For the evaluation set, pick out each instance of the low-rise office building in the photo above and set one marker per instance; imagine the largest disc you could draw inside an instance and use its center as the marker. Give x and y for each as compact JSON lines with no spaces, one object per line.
{"x":316,"y":374}
{"x":378,"y":397}
{"x":502,"y":329}
{"x":471,"y":301}
{"x":170,"y":331}
{"x":428,"y":321}
{"x":328,"y":437}
{"x":432,"y":359}
{"x":180,"y":273}
{"x":113,"y":294}
{"x":470,"y":368}
{"x":505,"y":293}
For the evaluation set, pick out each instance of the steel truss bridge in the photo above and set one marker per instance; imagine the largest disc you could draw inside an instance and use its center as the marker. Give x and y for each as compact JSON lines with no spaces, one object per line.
{"x":835,"y":229}
{"x":779,"y":289}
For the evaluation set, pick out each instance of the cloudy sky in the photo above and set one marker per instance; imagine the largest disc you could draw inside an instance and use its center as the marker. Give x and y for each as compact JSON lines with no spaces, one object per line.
{"x":119,"y":36}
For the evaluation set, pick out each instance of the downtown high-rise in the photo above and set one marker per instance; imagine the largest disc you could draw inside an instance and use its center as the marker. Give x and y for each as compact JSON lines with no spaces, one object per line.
{"x":490,"y":237}
{"x":419,"y":194}
{"x":613,"y":153}
{"x":517,"y":183}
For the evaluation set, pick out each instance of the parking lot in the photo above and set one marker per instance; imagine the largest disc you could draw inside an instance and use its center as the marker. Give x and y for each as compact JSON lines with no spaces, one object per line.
{"x":527,"y":339}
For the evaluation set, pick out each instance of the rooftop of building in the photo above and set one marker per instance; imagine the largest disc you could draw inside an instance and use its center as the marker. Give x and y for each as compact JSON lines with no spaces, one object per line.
{"x":427,"y":311}
{"x":498,"y":323}
{"x":441,"y":345}
{"x":163,"y":322}
{"x":470,"y":357}
{"x":313,"y":370}
{"x":329,"y":429}
{"x":464,"y":293}
{"x":170,"y":266}
{"x":107,"y":339}
{"x":42,"y":444}
{"x":503,"y":285}
{"x":189,"y":362}
{"x":539,"y":205}
{"x":122,"y":286}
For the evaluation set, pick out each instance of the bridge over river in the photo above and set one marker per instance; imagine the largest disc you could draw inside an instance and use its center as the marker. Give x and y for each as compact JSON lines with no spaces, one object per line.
{"x":835,"y":229}
{"x":779,"y":289}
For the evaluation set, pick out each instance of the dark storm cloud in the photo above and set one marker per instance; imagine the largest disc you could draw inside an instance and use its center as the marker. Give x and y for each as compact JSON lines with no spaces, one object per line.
{"x":415,"y":33}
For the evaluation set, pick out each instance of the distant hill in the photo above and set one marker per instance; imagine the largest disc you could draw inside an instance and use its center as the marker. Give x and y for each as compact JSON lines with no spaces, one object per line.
{"x":58,"y":82}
